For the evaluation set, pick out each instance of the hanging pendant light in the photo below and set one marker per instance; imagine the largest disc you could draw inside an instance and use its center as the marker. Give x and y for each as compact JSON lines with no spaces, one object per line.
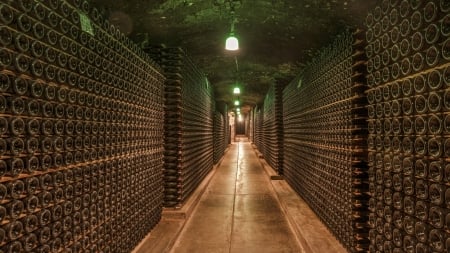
{"x":232,"y":43}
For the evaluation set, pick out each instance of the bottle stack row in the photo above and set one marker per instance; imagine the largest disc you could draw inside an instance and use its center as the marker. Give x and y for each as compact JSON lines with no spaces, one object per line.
{"x":272,"y":128}
{"x":189,"y":124}
{"x":251,"y":126}
{"x":409,"y":126}
{"x":279,"y":129}
{"x":220,"y":131}
{"x":269,"y":149}
{"x":219,"y":136}
{"x":325,"y":132}
{"x":258,"y":128}
{"x":81,"y":125}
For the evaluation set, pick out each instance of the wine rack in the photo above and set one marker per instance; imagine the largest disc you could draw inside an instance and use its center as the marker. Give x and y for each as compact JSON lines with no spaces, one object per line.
{"x":325,"y":132}
{"x":251,"y":126}
{"x":409,"y":145}
{"x":221,"y":134}
{"x":81,"y":125}
{"x":278,"y":119}
{"x":188,"y":124}
{"x":271,"y":145}
{"x":258,"y":125}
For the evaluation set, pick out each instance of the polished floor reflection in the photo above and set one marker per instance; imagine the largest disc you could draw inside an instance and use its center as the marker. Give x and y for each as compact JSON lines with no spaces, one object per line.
{"x":238,"y":212}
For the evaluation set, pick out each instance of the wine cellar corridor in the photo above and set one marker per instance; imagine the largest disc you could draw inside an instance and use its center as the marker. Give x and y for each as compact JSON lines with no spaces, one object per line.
{"x":132,"y":126}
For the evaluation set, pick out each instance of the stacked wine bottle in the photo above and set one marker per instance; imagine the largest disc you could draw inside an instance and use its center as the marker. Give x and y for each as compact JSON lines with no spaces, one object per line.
{"x":219,"y":136}
{"x":258,"y":138}
{"x":220,"y":131}
{"x":251,"y":126}
{"x":271,"y":129}
{"x":409,"y":79}
{"x":81,"y":116}
{"x":189,"y":120}
{"x":325,"y":133}
{"x":278,"y":106}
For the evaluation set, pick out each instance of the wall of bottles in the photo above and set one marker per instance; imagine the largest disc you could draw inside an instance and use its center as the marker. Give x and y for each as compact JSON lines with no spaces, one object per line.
{"x":258,"y":126}
{"x":325,"y":133}
{"x":219,"y":136}
{"x":252,"y":135}
{"x":226,"y":117}
{"x":278,"y":131}
{"x":270,"y":144}
{"x":189,"y":124}
{"x":220,"y":130}
{"x":250,"y":126}
{"x":409,"y":79}
{"x":268,"y":140}
{"x":81,"y":116}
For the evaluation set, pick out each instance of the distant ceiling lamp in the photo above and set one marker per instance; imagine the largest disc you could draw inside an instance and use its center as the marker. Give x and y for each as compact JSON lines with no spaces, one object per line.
{"x":237,"y":90}
{"x":238,"y":109}
{"x":236,"y":102}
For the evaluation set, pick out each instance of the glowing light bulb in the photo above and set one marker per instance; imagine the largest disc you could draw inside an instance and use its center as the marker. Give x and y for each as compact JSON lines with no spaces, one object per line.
{"x":232,"y":43}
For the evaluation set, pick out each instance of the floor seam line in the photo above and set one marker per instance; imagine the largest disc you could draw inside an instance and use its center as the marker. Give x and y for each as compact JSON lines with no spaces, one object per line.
{"x":234,"y":197}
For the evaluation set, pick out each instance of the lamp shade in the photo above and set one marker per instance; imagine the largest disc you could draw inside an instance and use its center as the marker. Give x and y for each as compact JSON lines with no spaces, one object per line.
{"x":236,"y":90}
{"x":232,"y":43}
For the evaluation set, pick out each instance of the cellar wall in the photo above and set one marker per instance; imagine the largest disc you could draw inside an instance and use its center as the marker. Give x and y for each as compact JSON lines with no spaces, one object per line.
{"x":81,"y":125}
{"x":409,"y":125}
{"x":325,"y":138}
{"x":188,"y":124}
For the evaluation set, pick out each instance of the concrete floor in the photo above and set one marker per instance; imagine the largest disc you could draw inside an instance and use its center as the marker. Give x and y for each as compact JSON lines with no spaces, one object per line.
{"x":237,"y":209}
{"x":238,"y":212}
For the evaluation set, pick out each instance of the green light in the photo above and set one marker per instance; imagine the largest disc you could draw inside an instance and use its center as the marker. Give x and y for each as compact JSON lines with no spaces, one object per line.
{"x":232,"y":43}
{"x":236,"y":102}
{"x":237,"y":90}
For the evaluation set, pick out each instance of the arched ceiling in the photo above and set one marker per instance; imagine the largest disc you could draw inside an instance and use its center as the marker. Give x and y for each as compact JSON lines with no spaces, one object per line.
{"x":277,"y":37}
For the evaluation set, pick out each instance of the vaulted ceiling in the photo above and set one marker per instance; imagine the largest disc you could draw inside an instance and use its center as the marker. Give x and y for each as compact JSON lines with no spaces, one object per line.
{"x":277,"y":37}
